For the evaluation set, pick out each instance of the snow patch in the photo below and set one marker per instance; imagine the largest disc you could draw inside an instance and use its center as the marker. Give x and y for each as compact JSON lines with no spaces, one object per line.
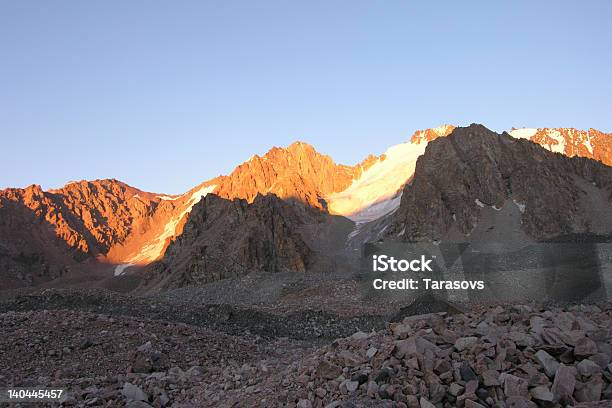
{"x":557,"y":137}
{"x":153,"y":250}
{"x":168,"y":198}
{"x":479,"y":203}
{"x":378,"y":186}
{"x":120,"y":269}
{"x":520,"y":206}
{"x":587,"y":142}
{"x":524,"y":133}
{"x":377,"y":210}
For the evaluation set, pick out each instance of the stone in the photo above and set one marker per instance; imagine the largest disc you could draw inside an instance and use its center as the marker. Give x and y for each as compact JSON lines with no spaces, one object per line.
{"x":541,"y":393}
{"x":589,"y":391}
{"x":196,"y":371}
{"x":519,"y":402}
{"x":464,"y":343}
{"x":471,"y":387}
{"x":360,"y":377}
{"x":412,"y":401}
{"x":360,"y":336}
{"x":490,"y":378}
{"x":455,"y":389}
{"x":601,"y":359}
{"x":548,"y":363}
{"x":372,"y":389}
{"x":133,"y":392}
{"x":405,"y":348}
{"x":564,"y":383}
{"x":473,"y":404}
{"x":304,"y":403}
{"x":371,"y":352}
{"x":328,"y":370}
{"x":400,"y":330}
{"x":383,"y":375}
{"x":437,"y":392}
{"x":351,"y":386}
{"x":587,"y":368}
{"x":466,"y":372}
{"x":585,"y":347}
{"x":514,"y":386}
{"x":138,"y":404}
{"x":426,"y":404}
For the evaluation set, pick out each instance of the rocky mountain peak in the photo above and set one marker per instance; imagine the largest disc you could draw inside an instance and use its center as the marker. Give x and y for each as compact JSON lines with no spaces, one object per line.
{"x":474,"y":168}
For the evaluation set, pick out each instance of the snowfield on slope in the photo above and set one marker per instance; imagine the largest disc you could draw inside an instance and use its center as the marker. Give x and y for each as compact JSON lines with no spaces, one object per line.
{"x":377,"y":191}
{"x":154,"y":249}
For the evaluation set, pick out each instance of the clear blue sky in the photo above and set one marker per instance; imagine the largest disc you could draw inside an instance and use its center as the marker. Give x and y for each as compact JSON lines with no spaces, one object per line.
{"x":164,"y":95}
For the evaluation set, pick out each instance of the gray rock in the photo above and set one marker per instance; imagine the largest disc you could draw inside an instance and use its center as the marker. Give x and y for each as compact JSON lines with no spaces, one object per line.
{"x":589,"y":391}
{"x":304,"y":403}
{"x":196,"y":371}
{"x":463,"y":343}
{"x":541,"y":393}
{"x":328,"y":370}
{"x":455,"y":389}
{"x":490,"y":378}
{"x":360,"y":336}
{"x":133,"y":392}
{"x":587,"y":368}
{"x":548,"y":363}
{"x":585,"y":347}
{"x":466,"y":372}
{"x":601,"y":359}
{"x":351,"y":386}
{"x":426,"y":404}
{"x":564,"y":383}
{"x":372,"y":390}
{"x":514,"y":386}
{"x":519,"y":402}
{"x":138,"y":404}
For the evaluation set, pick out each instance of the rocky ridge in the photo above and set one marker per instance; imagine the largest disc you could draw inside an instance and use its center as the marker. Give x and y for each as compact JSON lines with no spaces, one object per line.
{"x":224,"y":239}
{"x":474,"y":168}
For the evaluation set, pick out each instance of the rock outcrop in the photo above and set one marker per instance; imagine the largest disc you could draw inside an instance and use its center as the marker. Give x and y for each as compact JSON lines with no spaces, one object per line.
{"x":474,"y":168}
{"x":227,"y":238}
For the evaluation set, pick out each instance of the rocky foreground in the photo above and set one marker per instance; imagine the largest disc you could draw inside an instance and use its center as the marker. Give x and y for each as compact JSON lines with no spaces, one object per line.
{"x":516,"y":356}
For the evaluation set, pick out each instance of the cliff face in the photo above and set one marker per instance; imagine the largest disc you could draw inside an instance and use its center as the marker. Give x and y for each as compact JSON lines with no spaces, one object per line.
{"x":42,"y":233}
{"x":474,"y":168}
{"x":225,"y":238}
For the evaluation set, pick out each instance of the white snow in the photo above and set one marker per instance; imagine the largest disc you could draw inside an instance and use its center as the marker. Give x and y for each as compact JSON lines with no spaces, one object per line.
{"x":153,"y":250}
{"x":479,"y":203}
{"x":375,"y":193}
{"x":377,"y":210}
{"x":524,"y":133}
{"x":168,"y":198}
{"x":520,"y":206}
{"x":587,"y":142}
{"x":557,"y":137}
{"x":120,"y":269}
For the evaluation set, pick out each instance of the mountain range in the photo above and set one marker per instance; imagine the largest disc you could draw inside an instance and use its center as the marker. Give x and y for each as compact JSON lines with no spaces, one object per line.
{"x":295,"y":209}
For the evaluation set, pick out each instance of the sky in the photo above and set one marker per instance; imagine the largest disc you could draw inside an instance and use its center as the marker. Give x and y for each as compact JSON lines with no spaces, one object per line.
{"x":166,"y":94}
